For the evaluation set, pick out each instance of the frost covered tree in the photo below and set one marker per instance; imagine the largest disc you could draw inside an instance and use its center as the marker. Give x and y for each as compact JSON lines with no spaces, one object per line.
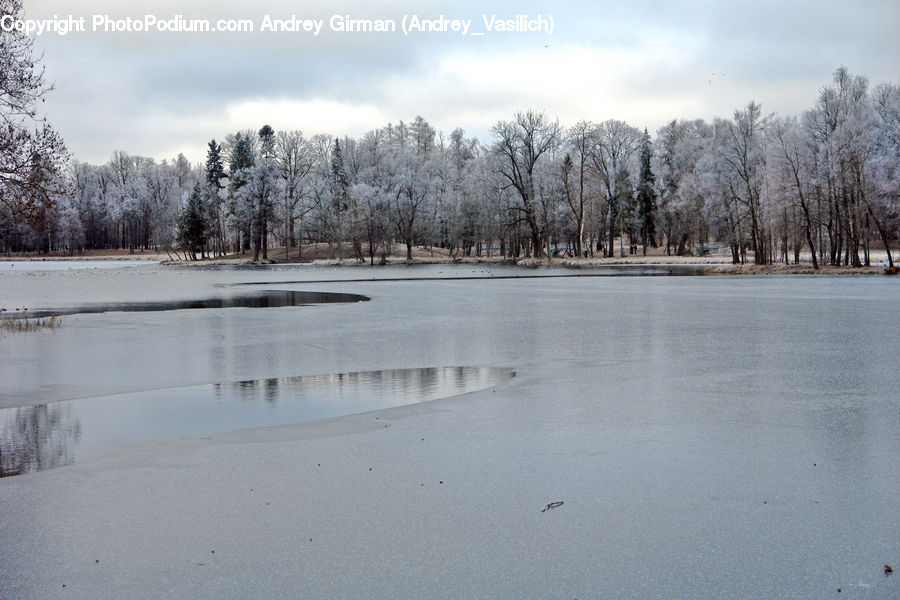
{"x":580,"y":145}
{"x":264,"y":191}
{"x":241,"y":157}
{"x":795,"y":162}
{"x":88,"y":200}
{"x":840,"y":125}
{"x":465,"y":214}
{"x":321,"y":226}
{"x":294,"y":162}
{"x":412,"y":167}
{"x":884,"y":204}
{"x":682,"y":203}
{"x":129,"y":196}
{"x":165,"y":186}
{"x":372,"y":193}
{"x":520,"y":145}
{"x":741,"y":147}
{"x":255,"y":188}
{"x":70,"y":233}
{"x":376,"y":210}
{"x":827,"y":183}
{"x":614,"y":143}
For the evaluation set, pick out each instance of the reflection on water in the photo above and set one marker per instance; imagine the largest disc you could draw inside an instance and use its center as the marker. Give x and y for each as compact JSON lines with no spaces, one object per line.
{"x":34,"y":438}
{"x":403,"y":385}
{"x":45,"y":436}
{"x":269,"y":299}
{"x":518,"y":272}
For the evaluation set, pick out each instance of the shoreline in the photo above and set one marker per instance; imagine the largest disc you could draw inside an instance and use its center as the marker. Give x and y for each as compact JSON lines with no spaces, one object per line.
{"x":711,"y":265}
{"x":714,"y":265}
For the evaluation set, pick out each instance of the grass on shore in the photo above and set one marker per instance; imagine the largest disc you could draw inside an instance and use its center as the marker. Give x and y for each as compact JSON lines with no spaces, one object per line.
{"x":24,"y":323}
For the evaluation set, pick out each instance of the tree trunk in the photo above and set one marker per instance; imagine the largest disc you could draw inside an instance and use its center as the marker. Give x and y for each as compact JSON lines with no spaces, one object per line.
{"x":808,"y":228}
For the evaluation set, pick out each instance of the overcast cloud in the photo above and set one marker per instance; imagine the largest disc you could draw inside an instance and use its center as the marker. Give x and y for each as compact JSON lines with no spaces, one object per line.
{"x":646,"y":62}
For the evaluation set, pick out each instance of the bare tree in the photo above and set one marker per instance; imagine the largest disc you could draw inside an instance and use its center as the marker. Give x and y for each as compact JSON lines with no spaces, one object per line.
{"x":32,"y":154}
{"x":521,"y":144}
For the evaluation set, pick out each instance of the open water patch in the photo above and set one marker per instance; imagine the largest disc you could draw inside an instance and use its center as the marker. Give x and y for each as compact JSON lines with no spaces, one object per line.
{"x":267,"y":299}
{"x":513,"y":272}
{"x":55,"y":434}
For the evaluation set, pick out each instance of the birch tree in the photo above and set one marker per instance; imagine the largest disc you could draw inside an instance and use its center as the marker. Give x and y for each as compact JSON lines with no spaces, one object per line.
{"x":580,"y":142}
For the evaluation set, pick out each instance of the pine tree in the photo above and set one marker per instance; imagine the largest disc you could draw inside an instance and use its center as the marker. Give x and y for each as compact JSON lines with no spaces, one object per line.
{"x":215,"y":172}
{"x":625,"y":208}
{"x":241,"y":155}
{"x":264,"y":206}
{"x":192,"y":224}
{"x":339,"y":185}
{"x":240,"y":161}
{"x":267,"y":142}
{"x":647,"y":195}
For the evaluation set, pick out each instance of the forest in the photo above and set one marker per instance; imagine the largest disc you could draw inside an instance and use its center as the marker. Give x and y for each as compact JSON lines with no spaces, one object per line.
{"x":821,"y":186}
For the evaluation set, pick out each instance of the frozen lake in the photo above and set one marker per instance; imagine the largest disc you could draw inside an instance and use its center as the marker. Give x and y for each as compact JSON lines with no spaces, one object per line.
{"x":69,"y":265}
{"x":727,"y":437}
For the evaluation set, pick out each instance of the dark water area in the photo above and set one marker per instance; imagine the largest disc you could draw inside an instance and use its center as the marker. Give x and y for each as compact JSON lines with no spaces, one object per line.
{"x":268,"y":299}
{"x":56,"y":434}
{"x":509,"y":272}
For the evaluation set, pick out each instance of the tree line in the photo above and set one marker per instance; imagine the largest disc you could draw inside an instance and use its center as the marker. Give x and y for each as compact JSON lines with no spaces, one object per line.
{"x":822,"y":185}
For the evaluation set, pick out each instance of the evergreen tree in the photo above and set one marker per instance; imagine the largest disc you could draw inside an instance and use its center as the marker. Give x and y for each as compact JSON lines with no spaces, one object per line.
{"x":624,"y":204}
{"x":241,"y":158}
{"x":240,"y":161}
{"x":264,"y":207}
{"x":338,"y":174}
{"x":646,"y":197}
{"x":192,"y":224}
{"x":339,"y":186}
{"x":215,"y":172}
{"x":267,"y":142}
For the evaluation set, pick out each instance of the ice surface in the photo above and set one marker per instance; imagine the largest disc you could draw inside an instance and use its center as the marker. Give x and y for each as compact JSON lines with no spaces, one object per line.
{"x":70,"y":265}
{"x":724,"y":437}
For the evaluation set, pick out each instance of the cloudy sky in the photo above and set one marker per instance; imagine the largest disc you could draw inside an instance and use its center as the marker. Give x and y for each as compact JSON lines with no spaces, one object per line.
{"x":642,"y":61}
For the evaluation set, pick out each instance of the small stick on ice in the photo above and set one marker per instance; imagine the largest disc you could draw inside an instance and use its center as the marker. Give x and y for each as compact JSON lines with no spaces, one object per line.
{"x":551,"y":506}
